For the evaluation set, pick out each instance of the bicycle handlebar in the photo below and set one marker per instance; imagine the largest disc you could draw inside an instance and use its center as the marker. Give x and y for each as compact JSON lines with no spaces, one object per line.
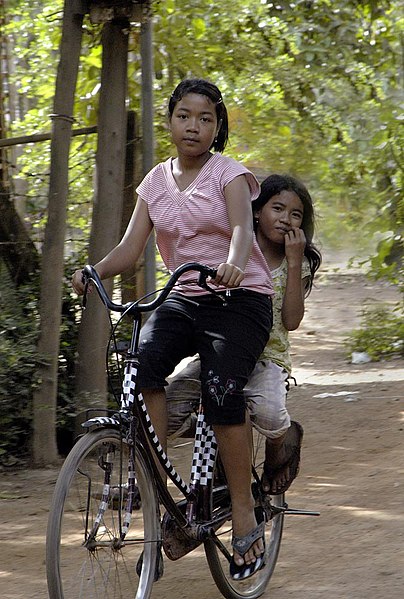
{"x":91,"y":275}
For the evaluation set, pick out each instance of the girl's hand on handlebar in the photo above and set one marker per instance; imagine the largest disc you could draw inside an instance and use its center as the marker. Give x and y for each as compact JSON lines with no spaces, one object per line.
{"x":228,"y":275}
{"x":77,"y":282}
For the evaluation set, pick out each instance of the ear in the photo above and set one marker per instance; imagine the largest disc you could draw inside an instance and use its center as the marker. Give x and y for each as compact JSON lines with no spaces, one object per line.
{"x":169,"y":119}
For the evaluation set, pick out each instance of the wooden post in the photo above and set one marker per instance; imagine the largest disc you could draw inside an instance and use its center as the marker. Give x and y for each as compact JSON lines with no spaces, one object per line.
{"x":106,"y":222}
{"x":146,"y":47}
{"x":132,"y":281}
{"x":44,"y":403}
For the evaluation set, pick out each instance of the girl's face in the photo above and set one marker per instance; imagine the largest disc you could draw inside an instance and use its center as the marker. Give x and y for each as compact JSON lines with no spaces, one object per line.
{"x":194,"y":125}
{"x":282,"y":213}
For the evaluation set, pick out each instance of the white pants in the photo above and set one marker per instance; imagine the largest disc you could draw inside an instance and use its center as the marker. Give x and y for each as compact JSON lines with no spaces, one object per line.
{"x":265,"y":395}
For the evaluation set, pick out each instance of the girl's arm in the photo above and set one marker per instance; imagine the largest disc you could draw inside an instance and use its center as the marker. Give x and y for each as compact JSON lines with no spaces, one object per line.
{"x":128,"y":250}
{"x":238,"y":201}
{"x":293,"y":298}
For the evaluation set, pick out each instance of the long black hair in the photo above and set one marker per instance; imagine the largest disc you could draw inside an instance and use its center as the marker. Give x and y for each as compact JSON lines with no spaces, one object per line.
{"x":272,"y":186}
{"x":204,"y":88}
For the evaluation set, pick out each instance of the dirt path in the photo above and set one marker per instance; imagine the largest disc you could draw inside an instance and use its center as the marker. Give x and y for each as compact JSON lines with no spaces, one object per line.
{"x":352,"y":472}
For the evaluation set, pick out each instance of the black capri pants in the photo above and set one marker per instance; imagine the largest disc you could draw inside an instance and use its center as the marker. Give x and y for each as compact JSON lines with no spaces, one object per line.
{"x":228,"y":331}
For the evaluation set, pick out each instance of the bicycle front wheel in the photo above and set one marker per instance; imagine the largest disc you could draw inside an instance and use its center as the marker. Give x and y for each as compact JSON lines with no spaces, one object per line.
{"x":88,"y":554}
{"x":219,"y":551}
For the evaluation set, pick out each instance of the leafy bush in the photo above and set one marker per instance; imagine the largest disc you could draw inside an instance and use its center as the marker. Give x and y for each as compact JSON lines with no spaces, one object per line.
{"x":19,"y":362}
{"x":66,"y":404}
{"x":381,"y":334}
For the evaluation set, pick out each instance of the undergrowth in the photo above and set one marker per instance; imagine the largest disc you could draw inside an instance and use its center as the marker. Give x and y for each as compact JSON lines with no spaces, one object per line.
{"x":381,"y":332}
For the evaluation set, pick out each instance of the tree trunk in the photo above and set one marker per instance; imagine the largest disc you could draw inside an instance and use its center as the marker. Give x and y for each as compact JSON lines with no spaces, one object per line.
{"x":132,"y":281}
{"x":45,"y":397}
{"x":107,"y":212}
{"x":146,"y":47}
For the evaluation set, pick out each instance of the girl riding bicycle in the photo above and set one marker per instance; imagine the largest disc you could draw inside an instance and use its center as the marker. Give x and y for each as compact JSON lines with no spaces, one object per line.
{"x":284,"y":226}
{"x":200,"y":206}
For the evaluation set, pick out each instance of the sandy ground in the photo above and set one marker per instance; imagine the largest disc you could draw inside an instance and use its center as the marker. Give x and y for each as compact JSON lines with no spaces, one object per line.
{"x":352,"y":472}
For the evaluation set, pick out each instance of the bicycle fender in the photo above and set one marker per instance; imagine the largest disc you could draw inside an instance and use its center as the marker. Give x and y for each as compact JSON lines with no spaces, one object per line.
{"x":101,"y":421}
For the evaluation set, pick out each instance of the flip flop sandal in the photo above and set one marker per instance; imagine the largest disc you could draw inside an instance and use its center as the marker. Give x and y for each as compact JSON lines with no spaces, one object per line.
{"x":242,"y":545}
{"x":293,"y":448}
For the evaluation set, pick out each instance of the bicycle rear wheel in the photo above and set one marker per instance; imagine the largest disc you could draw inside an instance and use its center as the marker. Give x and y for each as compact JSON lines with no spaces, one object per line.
{"x":219,"y":552}
{"x":86,"y":556}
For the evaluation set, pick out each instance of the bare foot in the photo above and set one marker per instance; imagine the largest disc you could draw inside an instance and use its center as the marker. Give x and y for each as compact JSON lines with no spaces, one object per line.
{"x":275,"y":456}
{"x":282,"y":459}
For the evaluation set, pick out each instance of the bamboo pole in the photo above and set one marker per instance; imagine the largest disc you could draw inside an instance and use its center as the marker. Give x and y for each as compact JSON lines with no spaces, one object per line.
{"x":7,"y":142}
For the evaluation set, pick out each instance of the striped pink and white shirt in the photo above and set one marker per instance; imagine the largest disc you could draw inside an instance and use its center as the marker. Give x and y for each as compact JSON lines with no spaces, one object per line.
{"x":193,"y":226}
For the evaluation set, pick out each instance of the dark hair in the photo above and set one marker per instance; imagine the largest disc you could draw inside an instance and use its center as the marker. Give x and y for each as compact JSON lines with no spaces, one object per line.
{"x":272,"y":186}
{"x":205,"y":88}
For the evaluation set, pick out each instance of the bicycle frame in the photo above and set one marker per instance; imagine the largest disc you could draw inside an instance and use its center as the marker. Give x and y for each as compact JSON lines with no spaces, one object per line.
{"x":133,"y":409}
{"x":107,"y":497}
{"x":196,"y":522}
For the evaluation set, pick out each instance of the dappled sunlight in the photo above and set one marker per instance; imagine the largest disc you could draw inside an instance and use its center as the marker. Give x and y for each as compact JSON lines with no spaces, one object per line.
{"x":326,"y":485}
{"x":346,"y":376}
{"x":361,"y":512}
{"x":22,"y":526}
{"x":316,"y":482}
{"x":386,"y":468}
{"x":198,"y":552}
{"x":401,"y":416}
{"x":24,"y":540}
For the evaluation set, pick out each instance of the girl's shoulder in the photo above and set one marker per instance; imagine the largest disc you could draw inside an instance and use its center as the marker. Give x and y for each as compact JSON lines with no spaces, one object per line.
{"x":282,"y":269}
{"x":227,"y":169}
{"x":278,"y":270}
{"x":227,"y":162}
{"x":161,"y":167}
{"x":154,"y":179}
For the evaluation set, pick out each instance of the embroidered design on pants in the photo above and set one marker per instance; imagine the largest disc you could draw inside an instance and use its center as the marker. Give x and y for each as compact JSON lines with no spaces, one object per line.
{"x":218,"y":391}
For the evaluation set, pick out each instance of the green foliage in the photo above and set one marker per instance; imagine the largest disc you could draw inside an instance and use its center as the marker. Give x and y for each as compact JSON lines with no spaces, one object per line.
{"x":381,"y":334}
{"x":388,"y":262}
{"x":19,"y":363}
{"x":34,"y":32}
{"x":66,"y":404}
{"x":312,"y":87}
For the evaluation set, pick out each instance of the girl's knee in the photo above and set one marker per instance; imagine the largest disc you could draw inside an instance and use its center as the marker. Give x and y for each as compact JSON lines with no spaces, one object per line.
{"x":272,"y":429}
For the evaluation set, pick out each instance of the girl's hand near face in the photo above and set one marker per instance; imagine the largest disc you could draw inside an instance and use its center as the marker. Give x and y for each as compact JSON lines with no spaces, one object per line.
{"x":293,"y":298}
{"x":295,"y":242}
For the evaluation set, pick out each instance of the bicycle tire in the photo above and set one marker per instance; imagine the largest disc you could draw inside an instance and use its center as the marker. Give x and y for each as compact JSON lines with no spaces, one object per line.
{"x":77,"y":569}
{"x":255,"y":586}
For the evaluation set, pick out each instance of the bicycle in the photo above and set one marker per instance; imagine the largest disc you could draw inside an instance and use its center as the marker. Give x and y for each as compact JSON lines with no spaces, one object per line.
{"x":105,"y":533}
